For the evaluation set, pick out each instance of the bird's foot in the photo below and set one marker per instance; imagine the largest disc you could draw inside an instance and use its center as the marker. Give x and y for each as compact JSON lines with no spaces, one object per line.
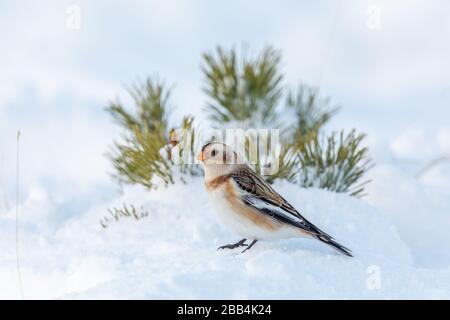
{"x":250,"y":246}
{"x":234,"y":245}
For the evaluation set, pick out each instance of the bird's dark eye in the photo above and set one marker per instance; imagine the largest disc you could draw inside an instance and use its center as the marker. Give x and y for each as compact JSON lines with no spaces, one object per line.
{"x":213,"y":153}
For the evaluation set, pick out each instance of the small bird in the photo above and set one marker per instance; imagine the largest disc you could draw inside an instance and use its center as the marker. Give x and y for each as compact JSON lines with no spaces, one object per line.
{"x":249,"y":206}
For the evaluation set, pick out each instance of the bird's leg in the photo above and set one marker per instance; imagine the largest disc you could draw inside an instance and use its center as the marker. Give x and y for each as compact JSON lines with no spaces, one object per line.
{"x":234,"y":245}
{"x":250,"y":245}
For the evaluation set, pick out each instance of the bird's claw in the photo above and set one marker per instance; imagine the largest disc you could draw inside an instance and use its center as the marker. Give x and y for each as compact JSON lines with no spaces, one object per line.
{"x":234,"y":245}
{"x":250,"y":246}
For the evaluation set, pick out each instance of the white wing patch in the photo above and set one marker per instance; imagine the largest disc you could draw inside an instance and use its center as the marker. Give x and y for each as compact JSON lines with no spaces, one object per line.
{"x":272,"y":210}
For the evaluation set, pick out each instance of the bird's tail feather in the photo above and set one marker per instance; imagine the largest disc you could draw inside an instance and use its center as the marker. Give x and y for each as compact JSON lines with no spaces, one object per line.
{"x":337,"y":246}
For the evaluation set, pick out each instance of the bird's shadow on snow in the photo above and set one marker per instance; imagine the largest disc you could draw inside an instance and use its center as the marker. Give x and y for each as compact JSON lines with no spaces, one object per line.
{"x":301,"y":246}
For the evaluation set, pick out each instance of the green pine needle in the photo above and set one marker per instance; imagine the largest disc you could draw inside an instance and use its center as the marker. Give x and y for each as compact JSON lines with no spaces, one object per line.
{"x":247,"y":89}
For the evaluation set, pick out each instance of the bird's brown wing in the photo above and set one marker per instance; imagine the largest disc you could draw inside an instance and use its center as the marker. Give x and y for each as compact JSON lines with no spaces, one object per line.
{"x":260,"y":195}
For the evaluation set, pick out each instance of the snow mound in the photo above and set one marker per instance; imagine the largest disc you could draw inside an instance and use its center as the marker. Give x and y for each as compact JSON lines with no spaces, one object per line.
{"x":172,"y":253}
{"x":419,"y":211}
{"x":351,"y":221}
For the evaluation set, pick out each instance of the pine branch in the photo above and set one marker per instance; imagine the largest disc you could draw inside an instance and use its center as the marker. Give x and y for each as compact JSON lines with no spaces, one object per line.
{"x":286,"y":168}
{"x":247,"y":90}
{"x":138,"y":160}
{"x":337,"y":164}
{"x":150,"y":103}
{"x":312,"y":111}
{"x":140,"y":157}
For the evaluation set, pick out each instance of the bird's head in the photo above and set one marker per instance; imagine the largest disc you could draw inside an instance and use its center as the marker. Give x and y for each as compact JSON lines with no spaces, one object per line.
{"x":218,"y":159}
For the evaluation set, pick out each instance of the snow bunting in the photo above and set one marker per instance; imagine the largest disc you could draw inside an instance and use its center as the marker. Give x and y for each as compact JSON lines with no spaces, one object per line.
{"x":248,"y":205}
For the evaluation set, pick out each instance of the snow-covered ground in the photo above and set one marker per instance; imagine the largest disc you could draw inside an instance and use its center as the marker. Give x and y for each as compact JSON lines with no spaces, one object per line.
{"x":400,"y":245}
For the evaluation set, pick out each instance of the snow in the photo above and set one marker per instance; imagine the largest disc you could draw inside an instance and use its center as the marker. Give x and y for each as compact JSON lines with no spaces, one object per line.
{"x":433,"y":143}
{"x":171,"y":253}
{"x":419,"y":212}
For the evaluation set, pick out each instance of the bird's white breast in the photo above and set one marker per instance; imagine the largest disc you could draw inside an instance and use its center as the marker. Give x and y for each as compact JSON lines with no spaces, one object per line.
{"x":239,"y":223}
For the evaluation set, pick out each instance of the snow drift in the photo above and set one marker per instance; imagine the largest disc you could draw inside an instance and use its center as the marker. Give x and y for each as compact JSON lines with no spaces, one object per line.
{"x":171,"y":253}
